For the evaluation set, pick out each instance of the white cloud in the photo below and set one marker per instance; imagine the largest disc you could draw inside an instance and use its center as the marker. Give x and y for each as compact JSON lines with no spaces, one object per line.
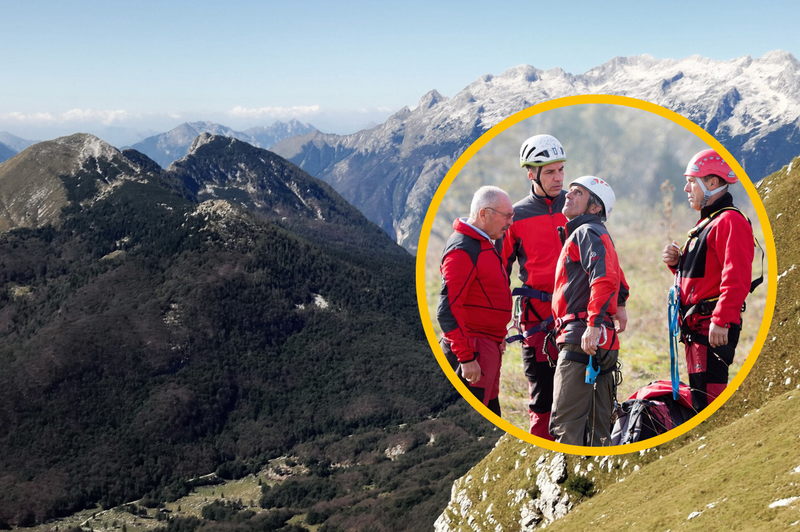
{"x":274,"y":112}
{"x":89,"y":115}
{"x":105,"y":117}
{"x":29,"y":117}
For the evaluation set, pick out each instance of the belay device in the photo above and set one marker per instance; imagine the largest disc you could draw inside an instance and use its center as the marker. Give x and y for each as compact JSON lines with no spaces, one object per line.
{"x":593,"y":367}
{"x":592,"y":370}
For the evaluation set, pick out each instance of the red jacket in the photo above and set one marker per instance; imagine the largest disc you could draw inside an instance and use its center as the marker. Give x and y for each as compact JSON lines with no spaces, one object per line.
{"x":718,"y":262}
{"x":532,"y":240}
{"x":475,"y":300}
{"x":589,"y":281}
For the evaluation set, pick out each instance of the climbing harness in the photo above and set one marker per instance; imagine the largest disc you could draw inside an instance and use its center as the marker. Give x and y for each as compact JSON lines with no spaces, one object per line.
{"x":520,"y":294}
{"x":694,"y":231}
{"x":677,"y":314}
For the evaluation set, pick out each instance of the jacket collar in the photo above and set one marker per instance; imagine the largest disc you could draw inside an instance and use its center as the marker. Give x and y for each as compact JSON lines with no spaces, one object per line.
{"x":542,"y":199}
{"x":460,"y":225}
{"x":584,"y":218}
{"x":726,"y":200}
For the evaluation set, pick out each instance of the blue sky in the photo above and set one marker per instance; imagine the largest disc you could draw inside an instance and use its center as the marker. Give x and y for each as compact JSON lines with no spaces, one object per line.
{"x":126,"y":69}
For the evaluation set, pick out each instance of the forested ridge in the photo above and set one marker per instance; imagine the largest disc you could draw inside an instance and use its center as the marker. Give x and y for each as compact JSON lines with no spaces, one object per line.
{"x":150,"y":339}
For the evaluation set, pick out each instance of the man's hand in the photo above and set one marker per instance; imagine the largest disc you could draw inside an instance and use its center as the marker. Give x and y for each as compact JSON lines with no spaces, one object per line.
{"x":717,"y":335}
{"x":471,"y":371}
{"x":622,"y":319}
{"x":589,"y":340}
{"x":671,"y":254}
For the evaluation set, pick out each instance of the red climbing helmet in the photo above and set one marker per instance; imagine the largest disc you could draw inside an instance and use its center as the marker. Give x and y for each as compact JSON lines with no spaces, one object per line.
{"x":708,"y":162}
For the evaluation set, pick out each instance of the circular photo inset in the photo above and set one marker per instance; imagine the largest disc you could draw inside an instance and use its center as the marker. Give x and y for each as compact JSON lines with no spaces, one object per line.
{"x":596,"y":275}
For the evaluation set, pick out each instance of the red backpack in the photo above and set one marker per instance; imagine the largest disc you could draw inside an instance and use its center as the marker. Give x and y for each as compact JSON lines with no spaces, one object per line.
{"x":651,"y":411}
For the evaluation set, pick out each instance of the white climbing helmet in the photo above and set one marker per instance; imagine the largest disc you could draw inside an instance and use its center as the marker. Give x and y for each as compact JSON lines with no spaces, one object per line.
{"x":601,"y":189}
{"x":540,"y":150}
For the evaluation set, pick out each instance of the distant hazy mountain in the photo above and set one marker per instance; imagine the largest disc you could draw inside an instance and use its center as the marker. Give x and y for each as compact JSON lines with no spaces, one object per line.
{"x":390,"y":172}
{"x":268,"y":136}
{"x":6,"y":152}
{"x":10,"y":145}
{"x":15,"y":143}
{"x":174,"y":144}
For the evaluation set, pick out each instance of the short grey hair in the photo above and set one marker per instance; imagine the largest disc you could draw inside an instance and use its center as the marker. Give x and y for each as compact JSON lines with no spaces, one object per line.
{"x":484,"y":197}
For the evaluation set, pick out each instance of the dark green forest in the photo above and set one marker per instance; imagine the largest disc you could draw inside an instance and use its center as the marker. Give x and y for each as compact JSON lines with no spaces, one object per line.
{"x":146,"y":341}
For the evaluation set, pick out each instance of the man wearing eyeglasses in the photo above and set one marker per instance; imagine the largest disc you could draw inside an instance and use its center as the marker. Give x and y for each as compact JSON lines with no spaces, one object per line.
{"x":475,"y":301}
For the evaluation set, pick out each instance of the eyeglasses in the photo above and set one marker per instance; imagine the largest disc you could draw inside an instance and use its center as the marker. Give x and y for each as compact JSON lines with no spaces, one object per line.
{"x":507,"y":216}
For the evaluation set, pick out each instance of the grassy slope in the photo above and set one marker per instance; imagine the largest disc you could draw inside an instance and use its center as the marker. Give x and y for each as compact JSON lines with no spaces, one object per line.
{"x":731,"y":477}
{"x":731,"y":467}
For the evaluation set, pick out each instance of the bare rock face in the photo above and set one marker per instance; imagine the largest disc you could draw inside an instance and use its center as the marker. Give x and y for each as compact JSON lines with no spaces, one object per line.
{"x":552,"y":503}
{"x":480,"y":501}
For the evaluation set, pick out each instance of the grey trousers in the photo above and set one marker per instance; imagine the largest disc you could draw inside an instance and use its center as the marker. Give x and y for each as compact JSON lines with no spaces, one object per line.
{"x":581,"y":411}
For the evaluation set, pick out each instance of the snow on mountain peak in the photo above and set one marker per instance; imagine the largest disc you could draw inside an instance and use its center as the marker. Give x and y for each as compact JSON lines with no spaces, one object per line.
{"x":430,"y":99}
{"x":751,"y":105}
{"x":522,"y":72}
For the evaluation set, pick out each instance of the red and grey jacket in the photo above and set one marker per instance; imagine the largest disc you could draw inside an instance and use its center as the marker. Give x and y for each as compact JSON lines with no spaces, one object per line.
{"x":717,"y":262}
{"x":475,"y":300}
{"x":589,"y":282}
{"x":533,"y":241}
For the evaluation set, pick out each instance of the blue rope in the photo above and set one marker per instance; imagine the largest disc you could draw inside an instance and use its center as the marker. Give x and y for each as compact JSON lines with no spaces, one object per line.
{"x":674,"y":334}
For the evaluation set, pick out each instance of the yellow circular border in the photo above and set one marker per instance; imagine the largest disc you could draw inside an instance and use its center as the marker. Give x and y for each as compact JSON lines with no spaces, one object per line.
{"x":422,"y":251}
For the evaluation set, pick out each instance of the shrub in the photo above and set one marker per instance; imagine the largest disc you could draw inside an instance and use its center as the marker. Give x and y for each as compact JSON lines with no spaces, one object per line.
{"x":580,"y":486}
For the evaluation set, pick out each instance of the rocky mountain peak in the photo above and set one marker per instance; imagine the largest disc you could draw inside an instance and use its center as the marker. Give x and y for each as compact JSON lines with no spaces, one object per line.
{"x":430,"y":99}
{"x":201,"y":140}
{"x":522,"y":72}
{"x":780,"y":57}
{"x":87,"y":145}
{"x":176,"y":143}
{"x":223,"y":168}
{"x":38,"y":182}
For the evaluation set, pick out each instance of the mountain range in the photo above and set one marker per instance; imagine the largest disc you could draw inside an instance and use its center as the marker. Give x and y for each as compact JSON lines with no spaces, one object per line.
{"x":156,"y":326}
{"x":165,"y":148}
{"x":390,"y":172}
{"x":174,"y":144}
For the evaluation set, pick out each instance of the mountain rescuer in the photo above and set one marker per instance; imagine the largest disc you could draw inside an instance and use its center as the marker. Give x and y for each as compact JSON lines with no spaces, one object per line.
{"x":588,"y":283}
{"x":533,"y":242}
{"x":713,"y":271}
{"x":475,"y":301}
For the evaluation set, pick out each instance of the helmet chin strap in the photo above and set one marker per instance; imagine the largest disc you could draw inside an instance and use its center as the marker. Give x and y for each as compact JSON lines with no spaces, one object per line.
{"x":539,"y":182}
{"x":707,"y":193}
